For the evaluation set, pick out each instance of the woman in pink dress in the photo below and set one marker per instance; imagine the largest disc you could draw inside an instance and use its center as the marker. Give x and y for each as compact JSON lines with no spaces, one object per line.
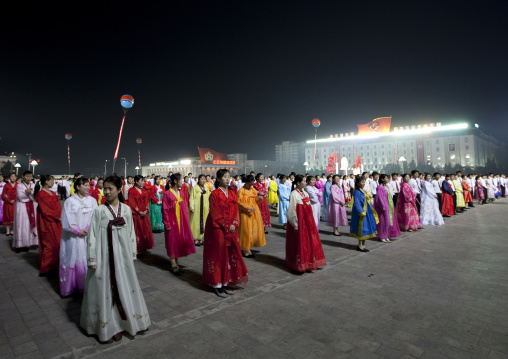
{"x":407,"y":215}
{"x":336,"y":211}
{"x":262,"y":187}
{"x":321,"y":187}
{"x":177,"y":229}
{"x":388,"y":226}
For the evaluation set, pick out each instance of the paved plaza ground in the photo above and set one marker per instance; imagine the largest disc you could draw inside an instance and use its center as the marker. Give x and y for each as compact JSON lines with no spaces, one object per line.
{"x":438,"y":293}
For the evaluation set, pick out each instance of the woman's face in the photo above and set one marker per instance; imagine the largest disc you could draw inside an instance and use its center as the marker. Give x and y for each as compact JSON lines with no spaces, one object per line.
{"x":302,"y":184}
{"x":283,"y":180}
{"x":179,"y":183}
{"x":261,"y":179}
{"x":140,"y":183}
{"x":100,"y":184}
{"x":51,"y":182}
{"x":312,"y":181}
{"x":110,"y":192}
{"x":84,"y":189}
{"x":157,"y":181}
{"x":336,"y":180}
{"x":386,"y":180}
{"x":428,"y":177}
{"x":362,"y":183}
{"x":406,"y":178}
{"x":12,"y":178}
{"x":202,"y":181}
{"x":224,"y":181}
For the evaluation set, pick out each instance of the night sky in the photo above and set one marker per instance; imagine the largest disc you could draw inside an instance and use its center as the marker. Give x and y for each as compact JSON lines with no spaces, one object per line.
{"x":240,"y":76}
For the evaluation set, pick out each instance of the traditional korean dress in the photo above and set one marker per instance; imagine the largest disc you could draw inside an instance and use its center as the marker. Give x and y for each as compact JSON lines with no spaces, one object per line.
{"x":262,"y":189}
{"x":251,"y":231}
{"x":2,"y":185}
{"x":284,"y":191}
{"x":363,"y":217}
{"x":347,"y":192}
{"x":315,"y":201}
{"x":467,"y":192}
{"x":76,"y":216}
{"x":336,"y":211}
{"x":156,"y":193}
{"x":199,"y":202}
{"x":175,"y":215}
{"x":9,"y":194}
{"x":407,"y":214}
{"x":447,"y":208}
{"x":139,"y":202}
{"x":272,"y":192}
{"x":25,"y":223}
{"x":98,"y":194}
{"x":303,"y":246}
{"x":459,"y":194}
{"x":320,"y":187}
{"x":478,"y":193}
{"x":49,"y":227}
{"x":113,"y":301}
{"x":490,"y":189}
{"x":388,"y":226}
{"x":429,"y":209}
{"x":326,"y":195}
{"x":222,"y":258}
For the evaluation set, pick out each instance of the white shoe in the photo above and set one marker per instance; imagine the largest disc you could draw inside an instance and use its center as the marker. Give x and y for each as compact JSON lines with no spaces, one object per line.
{"x":388,"y":240}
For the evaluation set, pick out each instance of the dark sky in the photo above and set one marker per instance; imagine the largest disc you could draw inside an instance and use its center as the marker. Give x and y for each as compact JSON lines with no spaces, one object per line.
{"x":240,"y":76}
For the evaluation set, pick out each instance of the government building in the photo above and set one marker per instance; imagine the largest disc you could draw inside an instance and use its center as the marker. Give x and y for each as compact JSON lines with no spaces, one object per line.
{"x":377,"y":144}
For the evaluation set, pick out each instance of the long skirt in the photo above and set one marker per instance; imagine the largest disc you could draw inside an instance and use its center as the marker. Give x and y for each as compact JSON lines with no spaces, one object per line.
{"x":222,"y":258}
{"x":447,"y":209}
{"x":73,"y":266}
{"x":8,"y":214}
{"x":144,"y":235}
{"x":303,"y":246}
{"x":156,"y":217}
{"x":409,"y":218}
{"x":265,"y":213}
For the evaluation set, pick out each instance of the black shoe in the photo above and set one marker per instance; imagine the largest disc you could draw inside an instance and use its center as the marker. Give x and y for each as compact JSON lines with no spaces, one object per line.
{"x":365,"y":250}
{"x":226,"y":290}
{"x":18,"y":250}
{"x":266,"y":232}
{"x":218,"y":292}
{"x":248,"y":255}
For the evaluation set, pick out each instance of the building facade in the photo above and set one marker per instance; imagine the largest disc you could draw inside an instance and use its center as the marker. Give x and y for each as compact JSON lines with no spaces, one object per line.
{"x":289,"y":151}
{"x":431,"y":144}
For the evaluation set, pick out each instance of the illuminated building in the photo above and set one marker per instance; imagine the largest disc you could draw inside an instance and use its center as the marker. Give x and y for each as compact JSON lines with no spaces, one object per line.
{"x":432,"y":144}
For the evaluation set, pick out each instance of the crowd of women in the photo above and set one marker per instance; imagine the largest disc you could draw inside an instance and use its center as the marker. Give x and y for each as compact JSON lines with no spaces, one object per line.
{"x":106,"y":224}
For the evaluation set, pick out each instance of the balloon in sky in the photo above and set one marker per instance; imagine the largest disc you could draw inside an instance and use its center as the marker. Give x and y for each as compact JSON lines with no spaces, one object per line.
{"x":68,"y":136}
{"x":316,"y":122}
{"x":139,"y":141}
{"x":127,"y":101}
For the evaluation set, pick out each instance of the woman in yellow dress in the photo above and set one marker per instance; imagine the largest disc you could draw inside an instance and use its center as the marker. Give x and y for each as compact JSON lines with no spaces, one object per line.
{"x":273,"y":198}
{"x":251,"y":231}
{"x":199,"y":206}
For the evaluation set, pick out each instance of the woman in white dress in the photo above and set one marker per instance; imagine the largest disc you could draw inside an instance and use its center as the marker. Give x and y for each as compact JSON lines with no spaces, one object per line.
{"x":315,"y":199}
{"x":429,"y":208}
{"x":76,"y":217}
{"x":113,"y":301}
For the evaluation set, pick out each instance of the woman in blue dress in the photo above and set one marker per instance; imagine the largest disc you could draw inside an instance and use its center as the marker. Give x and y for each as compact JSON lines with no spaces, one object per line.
{"x":363,"y":216}
{"x":284,"y":191}
{"x":326,"y":195}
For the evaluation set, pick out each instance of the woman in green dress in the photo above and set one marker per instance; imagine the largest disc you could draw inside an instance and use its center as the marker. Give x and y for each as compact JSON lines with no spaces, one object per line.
{"x":156,"y":192}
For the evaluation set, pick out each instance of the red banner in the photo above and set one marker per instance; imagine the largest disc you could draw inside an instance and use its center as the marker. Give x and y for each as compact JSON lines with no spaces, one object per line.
{"x":377,"y":125}
{"x":211,"y":157}
{"x":332,"y":163}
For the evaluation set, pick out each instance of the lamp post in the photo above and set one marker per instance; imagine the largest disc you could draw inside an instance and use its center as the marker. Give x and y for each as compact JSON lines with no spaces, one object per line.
{"x":29,"y":158}
{"x":137,"y":169}
{"x":105,"y":168}
{"x":125,"y":168}
{"x":33,"y":163}
{"x":17,"y":165}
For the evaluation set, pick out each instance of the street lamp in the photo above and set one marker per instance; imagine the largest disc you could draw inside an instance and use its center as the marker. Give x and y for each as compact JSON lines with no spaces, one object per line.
{"x":17,"y":165}
{"x":105,"y":168}
{"x":33,"y":163}
{"x":125,"y":169}
{"x":137,"y":169}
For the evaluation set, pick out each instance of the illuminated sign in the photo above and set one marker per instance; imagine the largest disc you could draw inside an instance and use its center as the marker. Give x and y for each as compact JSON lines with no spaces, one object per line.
{"x":377,"y":125}
{"x":219,"y":162}
{"x":402,"y":131}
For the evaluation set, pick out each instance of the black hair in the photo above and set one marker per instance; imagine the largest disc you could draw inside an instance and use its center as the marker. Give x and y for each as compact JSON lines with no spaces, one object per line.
{"x":298,"y":179}
{"x":358,"y":180}
{"x":249,"y":178}
{"x":175,"y":177}
{"x":79,"y":182}
{"x":406,"y":174}
{"x":308,"y":179}
{"x":201,"y":175}
{"x":281,"y":176}
{"x":41,"y":183}
{"x":414,"y":171}
{"x":117,"y":182}
{"x":220,"y":173}
{"x":333,"y":178}
{"x":137,"y":178}
{"x":258,"y":175}
{"x":27,"y":173}
{"x":382,"y":177}
{"x":437,"y":173}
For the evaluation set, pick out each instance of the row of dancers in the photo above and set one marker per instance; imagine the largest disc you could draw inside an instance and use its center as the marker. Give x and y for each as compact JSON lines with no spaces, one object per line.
{"x":94,"y":241}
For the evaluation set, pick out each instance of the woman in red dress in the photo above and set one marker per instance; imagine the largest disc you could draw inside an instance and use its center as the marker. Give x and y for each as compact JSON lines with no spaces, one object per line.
{"x":222,"y":258}
{"x":303,"y":246}
{"x":262,"y":189}
{"x":447,"y":209}
{"x":139,"y":202}
{"x":98,"y":192}
{"x":49,"y":227}
{"x":9,"y":198}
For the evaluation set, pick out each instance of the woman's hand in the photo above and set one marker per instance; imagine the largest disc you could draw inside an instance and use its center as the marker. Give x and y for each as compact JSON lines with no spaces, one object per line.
{"x":232,"y":228}
{"x":93,"y":266}
{"x":192,"y":211}
{"x":82,"y":233}
{"x":167,"y":228}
